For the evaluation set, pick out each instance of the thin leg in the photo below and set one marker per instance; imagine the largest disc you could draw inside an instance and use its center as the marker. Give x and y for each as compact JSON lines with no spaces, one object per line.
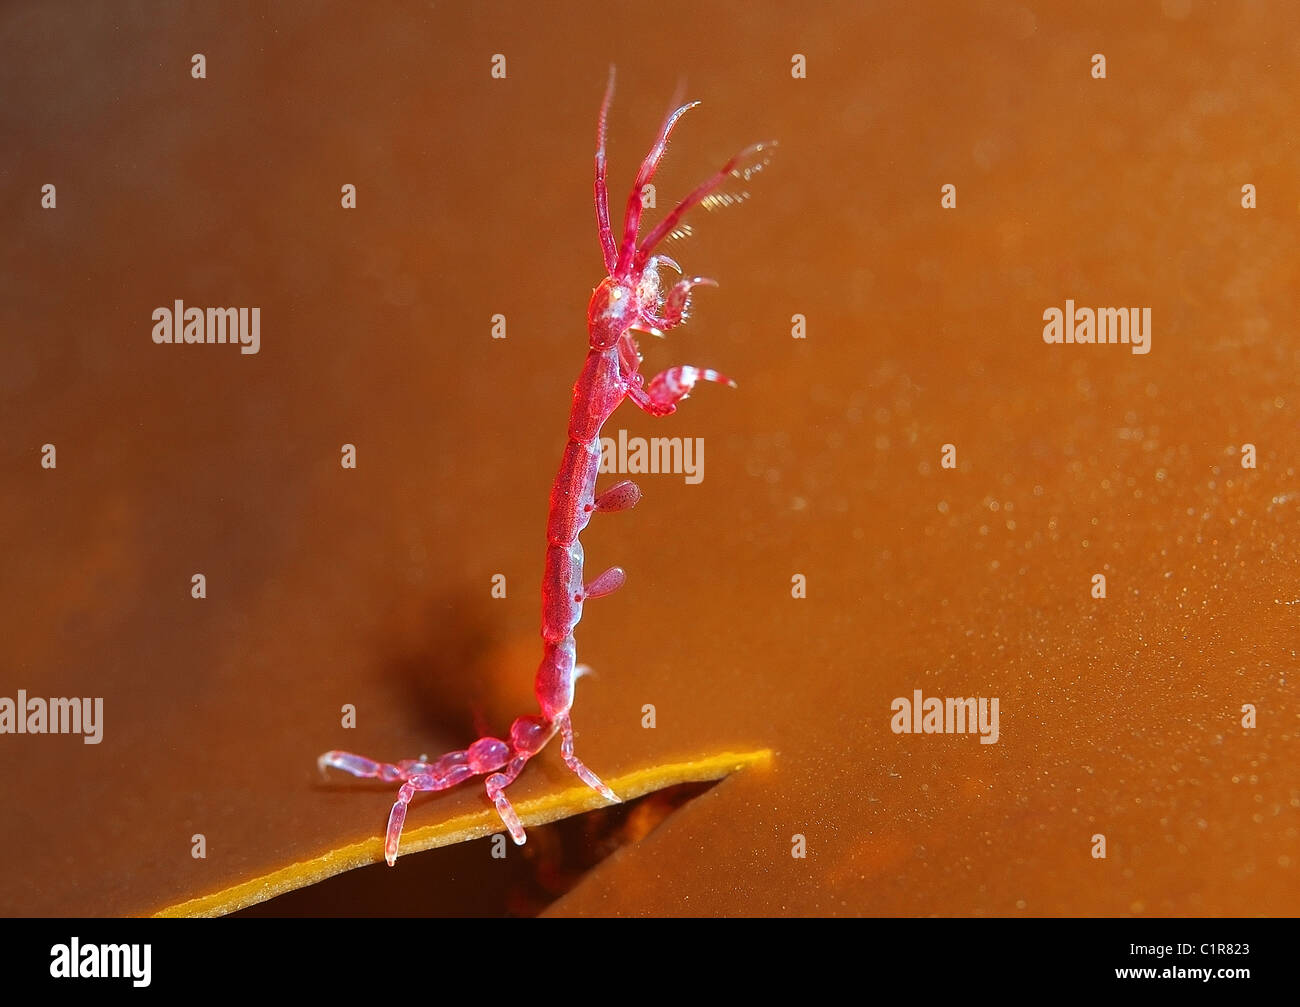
{"x":575,"y":764}
{"x":669,"y":387}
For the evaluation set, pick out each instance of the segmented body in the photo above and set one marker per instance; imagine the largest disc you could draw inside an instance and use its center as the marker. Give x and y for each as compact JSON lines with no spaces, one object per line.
{"x":628,"y":300}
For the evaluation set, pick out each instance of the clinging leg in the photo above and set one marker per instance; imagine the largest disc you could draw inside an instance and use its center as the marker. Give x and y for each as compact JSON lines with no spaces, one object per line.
{"x":496,"y":785}
{"x":575,"y":764}
{"x":397,"y":817}
{"x":528,"y":736}
{"x":484,"y":756}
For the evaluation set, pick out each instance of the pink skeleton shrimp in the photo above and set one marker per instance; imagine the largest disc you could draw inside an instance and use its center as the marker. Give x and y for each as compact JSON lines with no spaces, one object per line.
{"x":628,"y":300}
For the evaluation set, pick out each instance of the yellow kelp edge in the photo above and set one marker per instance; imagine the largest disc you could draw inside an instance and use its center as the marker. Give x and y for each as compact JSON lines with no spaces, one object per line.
{"x":536,"y":811}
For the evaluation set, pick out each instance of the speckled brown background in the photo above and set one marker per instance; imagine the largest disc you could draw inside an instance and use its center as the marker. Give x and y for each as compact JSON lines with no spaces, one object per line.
{"x":371,"y":586}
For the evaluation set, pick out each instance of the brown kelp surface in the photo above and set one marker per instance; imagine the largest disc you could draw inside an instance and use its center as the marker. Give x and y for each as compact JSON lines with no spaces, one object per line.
{"x":326,"y":586}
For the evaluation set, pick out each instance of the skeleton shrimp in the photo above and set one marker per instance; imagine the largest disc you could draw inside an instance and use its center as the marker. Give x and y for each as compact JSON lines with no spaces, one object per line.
{"x":628,"y":300}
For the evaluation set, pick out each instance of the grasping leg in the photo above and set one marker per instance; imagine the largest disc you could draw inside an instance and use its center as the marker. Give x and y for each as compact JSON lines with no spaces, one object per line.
{"x":669,"y":387}
{"x":677,"y":304}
